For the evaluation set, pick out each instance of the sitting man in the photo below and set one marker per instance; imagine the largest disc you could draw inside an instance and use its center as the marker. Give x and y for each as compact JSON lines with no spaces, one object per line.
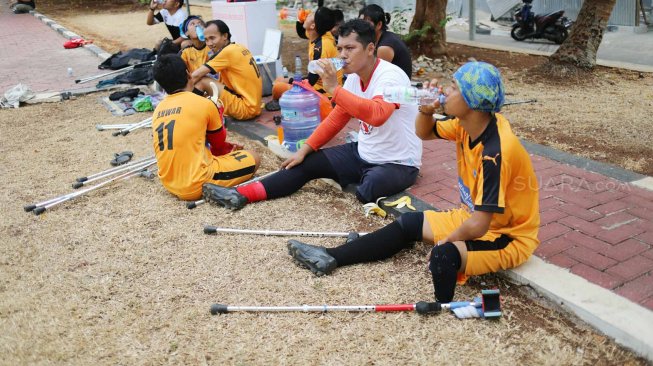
{"x":240,"y":87}
{"x":22,"y":6}
{"x":387,"y":156}
{"x":496,"y":227}
{"x":197,"y":54}
{"x":172,"y":15}
{"x":182,"y":125}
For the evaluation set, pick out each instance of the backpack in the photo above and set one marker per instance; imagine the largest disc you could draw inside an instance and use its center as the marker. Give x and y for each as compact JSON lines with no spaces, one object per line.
{"x":121,"y":60}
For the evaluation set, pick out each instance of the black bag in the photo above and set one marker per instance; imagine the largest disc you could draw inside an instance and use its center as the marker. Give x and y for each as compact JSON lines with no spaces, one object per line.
{"x":137,"y":76}
{"x":132,"y":57}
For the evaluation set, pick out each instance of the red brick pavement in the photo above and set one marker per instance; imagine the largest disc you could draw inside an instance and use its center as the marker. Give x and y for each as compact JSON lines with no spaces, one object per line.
{"x":33,"y":54}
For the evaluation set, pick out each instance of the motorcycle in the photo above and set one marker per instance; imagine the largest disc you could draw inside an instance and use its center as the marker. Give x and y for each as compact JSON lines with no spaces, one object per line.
{"x":553,"y":26}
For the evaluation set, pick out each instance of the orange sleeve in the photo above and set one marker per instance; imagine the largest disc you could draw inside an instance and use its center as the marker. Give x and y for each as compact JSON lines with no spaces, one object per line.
{"x":374,"y":112}
{"x":330,"y":127}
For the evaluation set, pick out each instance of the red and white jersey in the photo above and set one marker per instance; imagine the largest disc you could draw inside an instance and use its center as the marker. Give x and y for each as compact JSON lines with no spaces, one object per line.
{"x":395,"y":141}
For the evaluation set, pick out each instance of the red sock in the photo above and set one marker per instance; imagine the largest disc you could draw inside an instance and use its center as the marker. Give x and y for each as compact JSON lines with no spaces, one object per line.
{"x":253,"y":192}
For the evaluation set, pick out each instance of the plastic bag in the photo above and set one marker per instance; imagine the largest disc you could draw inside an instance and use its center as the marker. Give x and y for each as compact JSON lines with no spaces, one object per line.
{"x":15,"y":95}
{"x":143,"y":104}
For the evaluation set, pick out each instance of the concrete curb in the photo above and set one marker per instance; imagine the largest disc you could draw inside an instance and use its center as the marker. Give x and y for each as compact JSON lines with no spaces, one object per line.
{"x":102,"y":54}
{"x":617,"y":317}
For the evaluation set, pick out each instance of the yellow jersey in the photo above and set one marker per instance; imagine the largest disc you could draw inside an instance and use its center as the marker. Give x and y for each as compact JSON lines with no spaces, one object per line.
{"x":495,"y":175}
{"x":179,"y":127}
{"x":239,"y":73}
{"x":195,"y":57}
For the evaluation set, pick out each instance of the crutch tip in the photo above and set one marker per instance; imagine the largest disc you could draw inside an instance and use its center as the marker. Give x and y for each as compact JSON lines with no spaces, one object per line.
{"x":191,"y":205}
{"x":125,"y":132}
{"x":99,"y":128}
{"x":39,"y":210}
{"x":117,"y":133}
{"x":219,"y":309}
{"x":78,"y":185}
{"x":210,"y":230}
{"x":82,"y":179}
{"x":29,"y":208}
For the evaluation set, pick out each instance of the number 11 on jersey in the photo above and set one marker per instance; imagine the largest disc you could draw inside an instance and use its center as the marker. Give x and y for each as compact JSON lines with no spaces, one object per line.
{"x":170,"y":127}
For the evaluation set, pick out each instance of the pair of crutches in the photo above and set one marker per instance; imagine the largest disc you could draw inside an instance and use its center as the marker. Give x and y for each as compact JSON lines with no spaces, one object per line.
{"x":122,"y":172}
{"x":125,"y":128}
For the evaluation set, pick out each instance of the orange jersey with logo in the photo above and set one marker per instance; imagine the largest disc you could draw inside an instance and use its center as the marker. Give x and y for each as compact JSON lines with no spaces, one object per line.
{"x":495,"y":175}
{"x":195,"y":57}
{"x":179,"y":127}
{"x":239,"y":73}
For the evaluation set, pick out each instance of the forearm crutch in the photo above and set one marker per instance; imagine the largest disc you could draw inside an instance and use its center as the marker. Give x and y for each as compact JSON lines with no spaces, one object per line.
{"x":120,"y":71}
{"x":114,"y":169}
{"x":123,"y":168}
{"x":117,"y":126}
{"x":209,"y":229}
{"x":490,"y":304}
{"x":191,"y":205}
{"x":125,"y":131}
{"x":41,"y":207}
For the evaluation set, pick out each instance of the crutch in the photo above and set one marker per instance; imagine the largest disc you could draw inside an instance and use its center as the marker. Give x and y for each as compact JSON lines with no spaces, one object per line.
{"x":41,"y":207}
{"x":209,"y":229}
{"x":193,"y":204}
{"x":110,"y":170}
{"x":118,"y":126}
{"x":490,"y":306}
{"x":511,"y":102}
{"x":125,"y":69}
{"x":125,"y":131}
{"x":123,"y":168}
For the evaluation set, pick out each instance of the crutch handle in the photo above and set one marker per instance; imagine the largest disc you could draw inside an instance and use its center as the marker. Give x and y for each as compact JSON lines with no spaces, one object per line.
{"x":29,"y":208}
{"x":39,"y":210}
{"x":424,"y":307}
{"x":219,"y":309}
{"x":208,"y":229}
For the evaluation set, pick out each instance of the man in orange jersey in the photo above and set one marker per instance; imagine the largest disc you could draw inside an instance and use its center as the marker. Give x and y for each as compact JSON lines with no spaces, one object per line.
{"x":240,"y":86}
{"x":182,"y":125}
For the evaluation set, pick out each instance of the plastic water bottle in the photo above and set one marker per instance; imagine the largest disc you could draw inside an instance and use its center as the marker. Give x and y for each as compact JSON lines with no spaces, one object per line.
{"x":314,"y":67}
{"x":412,"y":95}
{"x":300,"y":115}
{"x":284,"y":71}
{"x":298,"y":69}
{"x":70,"y":72}
{"x":199,"y":30}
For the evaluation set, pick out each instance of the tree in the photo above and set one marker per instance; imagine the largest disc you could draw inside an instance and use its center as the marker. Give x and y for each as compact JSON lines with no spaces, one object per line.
{"x":427,"y":34}
{"x":580,"y":48}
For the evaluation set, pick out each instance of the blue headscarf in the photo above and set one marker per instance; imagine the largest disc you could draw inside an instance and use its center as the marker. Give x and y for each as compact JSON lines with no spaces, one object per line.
{"x":481,"y":86}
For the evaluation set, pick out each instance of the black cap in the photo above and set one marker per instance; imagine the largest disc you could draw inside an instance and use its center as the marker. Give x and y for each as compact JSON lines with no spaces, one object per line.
{"x":324,"y":20}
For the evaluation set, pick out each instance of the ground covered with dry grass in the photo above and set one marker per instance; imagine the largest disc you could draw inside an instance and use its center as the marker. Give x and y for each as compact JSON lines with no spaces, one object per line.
{"x":126,"y":276}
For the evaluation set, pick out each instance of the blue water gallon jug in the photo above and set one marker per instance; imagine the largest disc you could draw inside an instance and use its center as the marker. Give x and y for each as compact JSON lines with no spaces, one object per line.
{"x":300,"y":115}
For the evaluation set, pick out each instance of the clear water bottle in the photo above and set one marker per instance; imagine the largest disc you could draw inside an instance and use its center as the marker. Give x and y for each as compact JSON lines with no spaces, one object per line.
{"x":298,"y":69}
{"x":284,"y":71}
{"x":412,"y":95}
{"x":314,"y":67}
{"x":300,"y":115}
{"x":199,"y":30}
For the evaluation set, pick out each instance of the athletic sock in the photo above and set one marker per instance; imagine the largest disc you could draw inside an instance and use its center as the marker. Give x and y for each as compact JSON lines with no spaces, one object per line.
{"x":254,"y":192}
{"x":381,"y":244}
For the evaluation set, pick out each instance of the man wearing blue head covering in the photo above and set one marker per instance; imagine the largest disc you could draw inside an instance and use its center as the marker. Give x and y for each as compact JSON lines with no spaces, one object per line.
{"x":497,"y":224}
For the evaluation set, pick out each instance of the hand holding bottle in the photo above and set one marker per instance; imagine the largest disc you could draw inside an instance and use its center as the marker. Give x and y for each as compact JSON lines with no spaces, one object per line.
{"x":328,"y":73}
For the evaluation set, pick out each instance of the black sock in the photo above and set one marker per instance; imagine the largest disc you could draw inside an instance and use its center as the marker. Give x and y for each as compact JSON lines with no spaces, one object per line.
{"x":378,"y":245}
{"x":445,"y":262}
{"x":288,"y":181}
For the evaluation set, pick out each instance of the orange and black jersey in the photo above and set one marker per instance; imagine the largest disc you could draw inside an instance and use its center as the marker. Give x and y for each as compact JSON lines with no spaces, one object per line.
{"x":495,"y":175}
{"x":322,"y":47}
{"x":180,"y":124}
{"x":195,"y":57}
{"x":239,"y":73}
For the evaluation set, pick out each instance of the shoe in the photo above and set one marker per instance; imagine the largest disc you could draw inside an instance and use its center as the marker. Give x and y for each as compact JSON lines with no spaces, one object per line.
{"x":223,"y":196}
{"x":272,"y":106}
{"x":312,"y":257}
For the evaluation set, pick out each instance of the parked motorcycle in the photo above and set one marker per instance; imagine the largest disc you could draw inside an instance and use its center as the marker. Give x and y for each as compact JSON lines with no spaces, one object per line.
{"x":552,"y":26}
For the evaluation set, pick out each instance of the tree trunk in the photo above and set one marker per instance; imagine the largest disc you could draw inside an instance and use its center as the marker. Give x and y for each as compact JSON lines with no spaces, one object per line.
{"x":583,"y":43}
{"x":427,"y":33}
